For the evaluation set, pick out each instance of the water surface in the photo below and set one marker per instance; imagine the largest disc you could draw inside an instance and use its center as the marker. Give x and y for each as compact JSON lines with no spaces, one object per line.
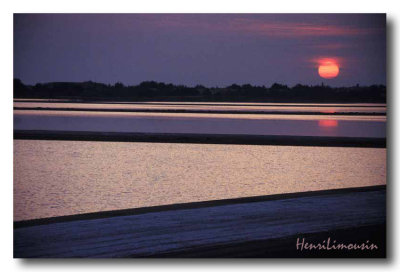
{"x":244,"y":124}
{"x":53,"y":178}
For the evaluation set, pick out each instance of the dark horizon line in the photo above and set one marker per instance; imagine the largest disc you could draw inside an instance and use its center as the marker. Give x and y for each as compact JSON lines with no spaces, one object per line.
{"x":199,"y":84}
{"x":159,"y":90}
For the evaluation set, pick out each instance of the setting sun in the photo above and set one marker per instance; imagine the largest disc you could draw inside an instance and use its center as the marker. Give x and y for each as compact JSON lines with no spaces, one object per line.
{"x":328,"y":69}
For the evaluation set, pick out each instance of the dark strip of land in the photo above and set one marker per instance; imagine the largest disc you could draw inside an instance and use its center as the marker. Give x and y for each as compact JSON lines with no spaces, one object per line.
{"x":191,"y":205}
{"x":201,"y":138}
{"x":229,"y":103}
{"x":204,"y":111}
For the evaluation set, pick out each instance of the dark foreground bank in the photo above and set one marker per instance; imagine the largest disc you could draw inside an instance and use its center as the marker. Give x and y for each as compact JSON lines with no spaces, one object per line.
{"x":200,"y":138}
{"x":299,"y":246}
{"x":263,"y":226}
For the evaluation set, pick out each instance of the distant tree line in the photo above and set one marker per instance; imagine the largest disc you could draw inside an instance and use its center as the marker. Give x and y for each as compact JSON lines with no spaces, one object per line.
{"x":150,"y":90}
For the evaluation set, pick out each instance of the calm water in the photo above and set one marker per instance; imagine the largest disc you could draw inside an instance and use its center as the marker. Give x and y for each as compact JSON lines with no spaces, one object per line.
{"x":298,"y":125}
{"x":33,"y":118}
{"x":53,"y":178}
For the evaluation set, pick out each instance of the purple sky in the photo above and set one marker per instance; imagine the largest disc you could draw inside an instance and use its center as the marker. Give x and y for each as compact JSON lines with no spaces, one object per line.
{"x":208,"y":49}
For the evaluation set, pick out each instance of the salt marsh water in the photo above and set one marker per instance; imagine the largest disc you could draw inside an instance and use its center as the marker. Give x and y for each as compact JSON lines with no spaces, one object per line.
{"x":292,"y":125}
{"x":53,"y":178}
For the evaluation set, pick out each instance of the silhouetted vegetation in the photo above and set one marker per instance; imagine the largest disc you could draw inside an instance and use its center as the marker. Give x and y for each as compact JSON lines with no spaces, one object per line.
{"x":150,"y":90}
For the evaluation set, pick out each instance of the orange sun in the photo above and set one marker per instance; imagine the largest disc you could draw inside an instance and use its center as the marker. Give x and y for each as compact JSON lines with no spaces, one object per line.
{"x":328,"y":68}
